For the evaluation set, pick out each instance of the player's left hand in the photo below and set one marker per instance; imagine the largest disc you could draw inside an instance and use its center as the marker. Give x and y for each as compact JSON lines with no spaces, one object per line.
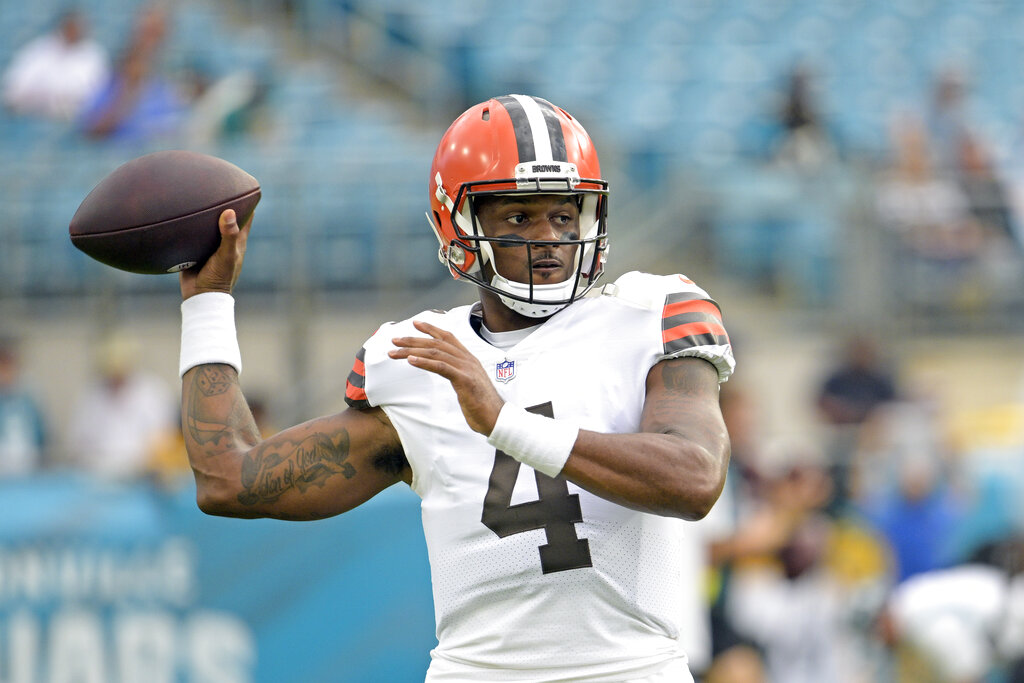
{"x":221,"y":270}
{"x":443,"y":354}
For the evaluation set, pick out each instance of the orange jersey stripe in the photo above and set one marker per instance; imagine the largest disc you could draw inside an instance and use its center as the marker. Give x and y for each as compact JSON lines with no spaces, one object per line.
{"x":359,"y":367}
{"x":693,"y":329}
{"x":691,"y":306}
{"x":354,"y":393}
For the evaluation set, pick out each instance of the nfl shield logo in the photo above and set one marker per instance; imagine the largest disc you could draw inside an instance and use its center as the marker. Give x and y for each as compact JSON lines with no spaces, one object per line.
{"x":505,"y":371}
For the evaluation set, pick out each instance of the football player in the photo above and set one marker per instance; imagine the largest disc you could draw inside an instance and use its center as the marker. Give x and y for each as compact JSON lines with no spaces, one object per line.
{"x":558,"y":433}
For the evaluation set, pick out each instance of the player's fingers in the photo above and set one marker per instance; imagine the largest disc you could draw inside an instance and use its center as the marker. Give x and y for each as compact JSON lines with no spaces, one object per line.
{"x":228,"y":223}
{"x":443,"y":337}
{"x":233,"y":238}
{"x":416,"y":342}
{"x":432,"y":365}
{"x":436,"y":332}
{"x":428,"y":348}
{"x":429,"y":352}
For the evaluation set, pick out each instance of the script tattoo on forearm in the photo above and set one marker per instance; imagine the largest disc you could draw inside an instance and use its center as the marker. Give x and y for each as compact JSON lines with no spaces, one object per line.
{"x":205,"y":418}
{"x":289,"y":465}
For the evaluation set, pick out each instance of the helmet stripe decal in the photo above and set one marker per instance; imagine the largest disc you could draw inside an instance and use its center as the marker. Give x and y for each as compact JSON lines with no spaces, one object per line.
{"x":520,"y":126}
{"x":537,"y":129}
{"x":554,"y":130}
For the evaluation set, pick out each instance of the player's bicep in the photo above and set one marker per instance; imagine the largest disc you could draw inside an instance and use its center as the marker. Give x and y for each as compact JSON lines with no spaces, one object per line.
{"x":322,"y":467}
{"x":682,"y":399}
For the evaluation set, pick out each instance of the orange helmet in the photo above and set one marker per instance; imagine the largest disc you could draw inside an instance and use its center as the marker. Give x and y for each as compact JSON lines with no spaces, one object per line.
{"x":517,"y":144}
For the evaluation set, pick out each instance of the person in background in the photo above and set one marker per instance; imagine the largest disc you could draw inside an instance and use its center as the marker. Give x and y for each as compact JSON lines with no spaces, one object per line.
{"x":919,"y":513}
{"x":783,"y":600}
{"x":804,"y":141}
{"x":921,"y":204}
{"x":857,"y":385}
{"x":138,"y":102}
{"x":963,"y":623}
{"x":122,"y":417}
{"x":54,"y":75}
{"x":23,"y":432}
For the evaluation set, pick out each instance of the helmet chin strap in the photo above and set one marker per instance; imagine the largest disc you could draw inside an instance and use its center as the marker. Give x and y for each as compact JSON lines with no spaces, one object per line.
{"x":544,"y":296}
{"x":560,"y":292}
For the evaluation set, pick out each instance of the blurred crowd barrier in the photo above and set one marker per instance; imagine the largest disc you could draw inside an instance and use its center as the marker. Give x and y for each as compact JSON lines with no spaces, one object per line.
{"x":103,"y":582}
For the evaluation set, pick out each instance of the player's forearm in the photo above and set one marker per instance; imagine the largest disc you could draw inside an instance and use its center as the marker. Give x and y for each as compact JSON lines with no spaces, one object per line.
{"x":663,"y":474}
{"x":316,"y":469}
{"x":218,"y":428}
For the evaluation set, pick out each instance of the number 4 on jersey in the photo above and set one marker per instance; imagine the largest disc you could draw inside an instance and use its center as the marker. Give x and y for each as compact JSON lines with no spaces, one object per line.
{"x":556,"y":511}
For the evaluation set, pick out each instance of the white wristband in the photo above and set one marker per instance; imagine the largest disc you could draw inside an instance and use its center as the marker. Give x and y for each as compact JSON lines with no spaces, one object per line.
{"x":535,"y":440}
{"x":208,"y":332}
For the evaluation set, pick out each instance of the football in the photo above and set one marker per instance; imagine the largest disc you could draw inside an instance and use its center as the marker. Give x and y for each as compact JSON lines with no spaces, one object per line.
{"x":158,"y":213}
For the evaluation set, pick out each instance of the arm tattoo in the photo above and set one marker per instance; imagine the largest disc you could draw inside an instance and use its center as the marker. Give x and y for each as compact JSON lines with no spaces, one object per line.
{"x":685,"y":390}
{"x":204,"y":423}
{"x":212,"y":380}
{"x":284,"y":465}
{"x":679,"y":380}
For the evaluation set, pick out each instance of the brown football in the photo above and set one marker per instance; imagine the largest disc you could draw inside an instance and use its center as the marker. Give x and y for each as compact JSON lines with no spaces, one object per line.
{"x":158,"y":213}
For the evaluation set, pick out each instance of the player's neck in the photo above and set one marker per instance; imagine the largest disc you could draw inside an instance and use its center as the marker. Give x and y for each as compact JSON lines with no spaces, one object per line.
{"x":500,"y":318}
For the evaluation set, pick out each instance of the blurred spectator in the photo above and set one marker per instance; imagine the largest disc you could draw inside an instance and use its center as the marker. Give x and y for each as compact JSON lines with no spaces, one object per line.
{"x":699,"y":537}
{"x":856,"y":386}
{"x":925,"y":210}
{"x":783,"y":595}
{"x":963,"y":624}
{"x":54,"y":75}
{"x":804,"y":141}
{"x":138,"y":102}
{"x":735,"y":658}
{"x":947,"y":123}
{"x":987,"y":196}
{"x":23,"y":437}
{"x":123,"y":417}
{"x":226,"y":107}
{"x":740,"y":664}
{"x":918,"y":518}
{"x":904,"y":488}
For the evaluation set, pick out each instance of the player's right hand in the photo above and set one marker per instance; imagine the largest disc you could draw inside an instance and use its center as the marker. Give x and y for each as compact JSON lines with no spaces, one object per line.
{"x":221,"y":270}
{"x":443,"y":354}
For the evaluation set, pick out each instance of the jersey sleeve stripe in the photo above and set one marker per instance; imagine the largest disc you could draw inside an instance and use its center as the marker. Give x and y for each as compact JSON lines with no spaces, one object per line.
{"x":355,"y":394}
{"x":689,"y":305}
{"x":694,"y":341}
{"x":670,"y":322}
{"x":695,"y":329}
{"x":358,"y":375}
{"x":687,"y":323}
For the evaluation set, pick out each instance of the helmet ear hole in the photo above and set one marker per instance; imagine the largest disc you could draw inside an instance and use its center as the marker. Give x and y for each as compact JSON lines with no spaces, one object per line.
{"x":485,"y":115}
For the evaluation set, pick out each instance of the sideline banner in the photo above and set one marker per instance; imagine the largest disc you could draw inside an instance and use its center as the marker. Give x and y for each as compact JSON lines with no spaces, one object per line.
{"x":104,"y":583}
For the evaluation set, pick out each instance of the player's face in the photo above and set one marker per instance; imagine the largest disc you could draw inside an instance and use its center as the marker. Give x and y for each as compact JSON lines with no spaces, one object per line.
{"x":553,"y":218}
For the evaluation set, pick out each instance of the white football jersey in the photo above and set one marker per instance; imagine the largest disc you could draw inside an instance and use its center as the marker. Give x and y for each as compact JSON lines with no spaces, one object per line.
{"x":535,"y":579}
